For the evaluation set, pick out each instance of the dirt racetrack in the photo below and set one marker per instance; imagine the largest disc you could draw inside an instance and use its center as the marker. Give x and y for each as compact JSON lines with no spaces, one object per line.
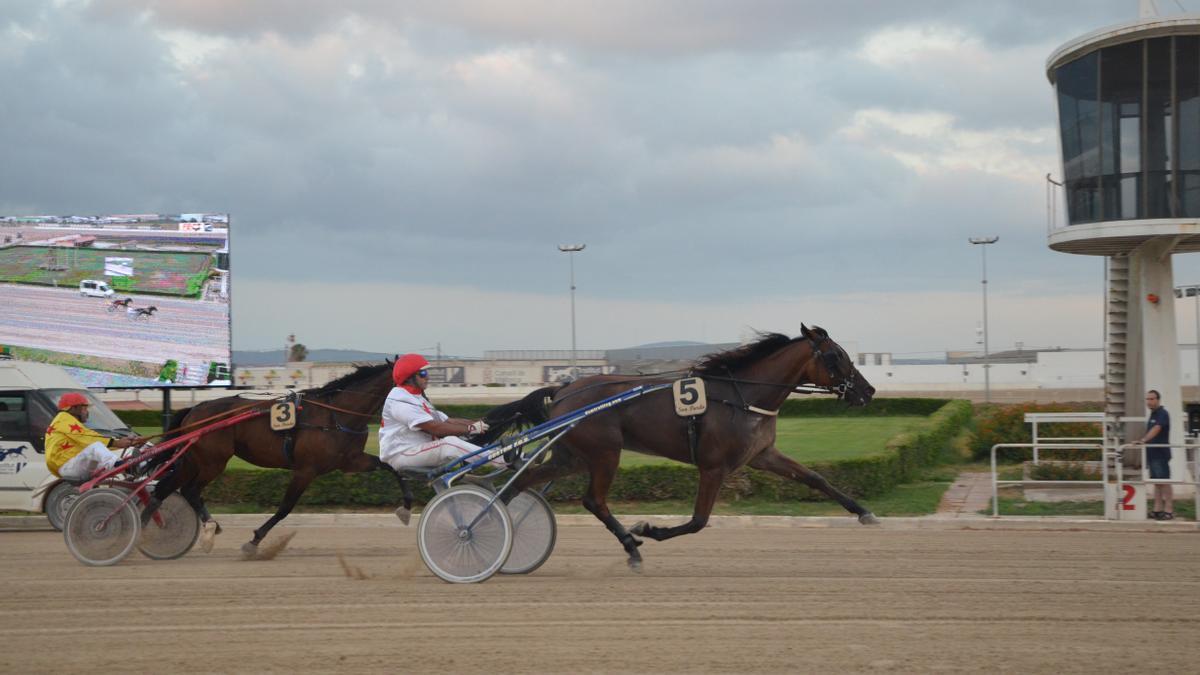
{"x":730,"y":599}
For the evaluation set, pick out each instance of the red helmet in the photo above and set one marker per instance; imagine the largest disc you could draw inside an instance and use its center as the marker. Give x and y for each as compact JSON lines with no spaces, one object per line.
{"x":405,"y":367}
{"x":71,"y":399}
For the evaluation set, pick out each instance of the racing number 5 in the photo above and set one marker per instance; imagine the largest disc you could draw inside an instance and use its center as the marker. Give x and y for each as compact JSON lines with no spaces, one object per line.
{"x":689,"y":397}
{"x":688,"y":393}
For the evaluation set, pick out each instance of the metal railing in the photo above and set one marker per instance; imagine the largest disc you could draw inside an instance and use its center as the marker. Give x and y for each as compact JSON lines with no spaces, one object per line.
{"x":1193,"y":461}
{"x":996,"y":482}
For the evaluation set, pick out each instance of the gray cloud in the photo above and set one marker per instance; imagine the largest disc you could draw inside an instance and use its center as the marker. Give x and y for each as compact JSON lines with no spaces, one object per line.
{"x":455,"y":143}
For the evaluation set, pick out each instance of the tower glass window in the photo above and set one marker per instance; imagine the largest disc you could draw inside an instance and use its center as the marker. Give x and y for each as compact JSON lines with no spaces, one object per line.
{"x":1129,"y":117}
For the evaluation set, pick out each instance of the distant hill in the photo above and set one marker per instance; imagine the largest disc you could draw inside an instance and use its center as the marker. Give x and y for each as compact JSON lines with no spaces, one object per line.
{"x":274,"y":357}
{"x":669,"y":343}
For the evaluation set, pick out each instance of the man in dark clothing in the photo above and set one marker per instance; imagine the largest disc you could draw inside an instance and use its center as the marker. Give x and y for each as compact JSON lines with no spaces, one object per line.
{"x":1158,"y":456}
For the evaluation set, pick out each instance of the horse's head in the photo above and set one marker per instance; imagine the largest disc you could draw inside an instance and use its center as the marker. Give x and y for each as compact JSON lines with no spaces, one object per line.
{"x":831,"y":367}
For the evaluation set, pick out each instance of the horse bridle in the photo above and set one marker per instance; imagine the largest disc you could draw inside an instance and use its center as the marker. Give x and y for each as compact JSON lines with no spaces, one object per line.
{"x":833,"y":366}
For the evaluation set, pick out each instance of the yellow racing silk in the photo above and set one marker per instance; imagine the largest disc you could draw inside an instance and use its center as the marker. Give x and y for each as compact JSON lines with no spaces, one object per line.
{"x":66,"y":438}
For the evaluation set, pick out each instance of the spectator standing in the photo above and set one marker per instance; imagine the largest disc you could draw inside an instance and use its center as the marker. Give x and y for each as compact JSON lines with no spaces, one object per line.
{"x":1158,"y":456}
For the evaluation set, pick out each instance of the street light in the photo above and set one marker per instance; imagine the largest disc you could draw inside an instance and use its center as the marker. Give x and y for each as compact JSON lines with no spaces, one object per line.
{"x":987,"y":378}
{"x":570,"y":249}
{"x":1193,"y":292}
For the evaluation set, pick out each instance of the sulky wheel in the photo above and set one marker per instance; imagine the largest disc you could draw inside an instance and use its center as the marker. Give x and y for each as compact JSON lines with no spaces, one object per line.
{"x":100,"y":529}
{"x":534,"y":532}
{"x":58,"y":503}
{"x":172,"y":531}
{"x":464,"y":536}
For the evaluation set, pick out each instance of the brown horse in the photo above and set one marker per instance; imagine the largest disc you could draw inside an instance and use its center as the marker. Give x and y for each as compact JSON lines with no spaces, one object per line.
{"x":745,"y":388}
{"x":330,"y":434}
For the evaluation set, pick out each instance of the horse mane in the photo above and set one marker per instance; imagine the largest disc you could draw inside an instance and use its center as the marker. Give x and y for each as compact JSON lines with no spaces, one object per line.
{"x":732,"y":359}
{"x":354,"y":377}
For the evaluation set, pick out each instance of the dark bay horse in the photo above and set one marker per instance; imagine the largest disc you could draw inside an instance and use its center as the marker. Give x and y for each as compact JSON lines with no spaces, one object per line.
{"x":745,"y":388}
{"x":330,"y":434}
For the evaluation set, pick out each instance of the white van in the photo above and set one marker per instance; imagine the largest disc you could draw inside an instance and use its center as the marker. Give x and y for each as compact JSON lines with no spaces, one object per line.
{"x":91,"y":288}
{"x":29,"y":394}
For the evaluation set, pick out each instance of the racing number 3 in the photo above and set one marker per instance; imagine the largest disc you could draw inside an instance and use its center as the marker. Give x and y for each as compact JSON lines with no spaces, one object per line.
{"x":690,"y":398}
{"x":283,"y":416}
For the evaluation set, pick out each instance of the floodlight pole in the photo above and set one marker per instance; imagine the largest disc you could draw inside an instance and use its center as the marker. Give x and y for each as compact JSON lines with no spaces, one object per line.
{"x":571,"y":249}
{"x":987,"y":377}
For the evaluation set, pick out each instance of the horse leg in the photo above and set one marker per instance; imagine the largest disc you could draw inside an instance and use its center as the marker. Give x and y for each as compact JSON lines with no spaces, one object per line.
{"x":561,"y":463}
{"x":404,"y":511}
{"x":209,"y":528}
{"x":166,"y":485}
{"x":300,"y":481}
{"x":710,"y":485}
{"x":596,"y":502}
{"x":777,"y":463}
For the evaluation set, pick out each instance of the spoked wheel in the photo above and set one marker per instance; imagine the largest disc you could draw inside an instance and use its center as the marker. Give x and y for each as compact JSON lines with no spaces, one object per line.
{"x":58,"y":503}
{"x":100,"y":530}
{"x":534,"y":532}
{"x":456,"y":550}
{"x":177,"y":533}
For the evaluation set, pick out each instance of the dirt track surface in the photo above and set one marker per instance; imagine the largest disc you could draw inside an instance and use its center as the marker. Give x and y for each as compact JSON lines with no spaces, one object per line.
{"x":754,"y":599}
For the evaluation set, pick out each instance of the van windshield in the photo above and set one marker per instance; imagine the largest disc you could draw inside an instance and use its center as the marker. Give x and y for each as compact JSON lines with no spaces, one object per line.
{"x":100,"y":418}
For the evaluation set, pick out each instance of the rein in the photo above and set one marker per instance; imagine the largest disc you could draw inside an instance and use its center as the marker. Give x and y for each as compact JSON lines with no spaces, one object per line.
{"x":841,"y":389}
{"x":210,"y":418}
{"x":337,"y":426}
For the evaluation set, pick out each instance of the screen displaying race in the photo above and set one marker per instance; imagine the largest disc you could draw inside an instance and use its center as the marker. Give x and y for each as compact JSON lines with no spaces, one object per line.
{"x":120,"y":301}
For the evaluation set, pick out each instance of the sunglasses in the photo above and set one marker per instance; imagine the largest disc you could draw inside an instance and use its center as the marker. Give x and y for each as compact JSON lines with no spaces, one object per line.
{"x":423,"y":373}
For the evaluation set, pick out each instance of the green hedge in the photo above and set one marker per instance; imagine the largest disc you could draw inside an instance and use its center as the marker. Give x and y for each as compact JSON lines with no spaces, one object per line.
{"x":808,"y":407}
{"x":899,"y":462}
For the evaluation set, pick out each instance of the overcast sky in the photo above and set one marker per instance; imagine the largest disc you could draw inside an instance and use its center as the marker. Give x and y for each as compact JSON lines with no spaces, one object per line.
{"x":399,"y":174}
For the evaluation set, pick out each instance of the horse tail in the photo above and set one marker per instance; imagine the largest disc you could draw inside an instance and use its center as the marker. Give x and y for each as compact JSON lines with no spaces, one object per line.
{"x":528,"y":411}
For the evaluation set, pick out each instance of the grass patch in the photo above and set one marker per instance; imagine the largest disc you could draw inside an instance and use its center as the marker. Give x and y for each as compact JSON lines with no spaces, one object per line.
{"x":1016,"y":506}
{"x":821,"y":439}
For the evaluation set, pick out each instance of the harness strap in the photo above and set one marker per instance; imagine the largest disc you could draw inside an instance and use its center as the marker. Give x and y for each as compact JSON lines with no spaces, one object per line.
{"x":289,"y":442}
{"x":761,"y":411}
{"x":693,"y":437}
{"x":746,"y":407}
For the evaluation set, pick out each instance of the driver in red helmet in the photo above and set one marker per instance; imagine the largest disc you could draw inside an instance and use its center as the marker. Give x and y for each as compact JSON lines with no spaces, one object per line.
{"x":414,"y":434}
{"x":74,"y":451}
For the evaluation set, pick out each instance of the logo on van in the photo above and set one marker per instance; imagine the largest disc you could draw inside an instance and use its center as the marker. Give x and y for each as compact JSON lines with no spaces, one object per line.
{"x":13,"y":467}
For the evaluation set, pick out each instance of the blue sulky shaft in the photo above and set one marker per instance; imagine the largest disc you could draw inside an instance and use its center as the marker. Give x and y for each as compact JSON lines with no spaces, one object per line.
{"x":453,"y":469}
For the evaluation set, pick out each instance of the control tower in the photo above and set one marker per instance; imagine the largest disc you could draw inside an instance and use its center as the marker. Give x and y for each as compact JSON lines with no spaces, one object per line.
{"x":1129,"y":120}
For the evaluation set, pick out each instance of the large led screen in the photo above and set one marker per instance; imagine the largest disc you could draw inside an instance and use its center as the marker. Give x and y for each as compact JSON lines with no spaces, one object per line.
{"x":120,"y":301}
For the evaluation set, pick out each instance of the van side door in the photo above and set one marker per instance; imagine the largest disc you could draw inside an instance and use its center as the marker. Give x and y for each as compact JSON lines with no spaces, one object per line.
{"x":22,"y":451}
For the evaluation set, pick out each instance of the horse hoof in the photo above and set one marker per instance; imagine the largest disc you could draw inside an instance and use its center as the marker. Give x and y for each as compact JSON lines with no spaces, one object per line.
{"x":639,"y":528}
{"x":868,"y":518}
{"x":249,"y":550}
{"x":635,"y":565}
{"x":208,"y":536}
{"x":404,"y":514}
